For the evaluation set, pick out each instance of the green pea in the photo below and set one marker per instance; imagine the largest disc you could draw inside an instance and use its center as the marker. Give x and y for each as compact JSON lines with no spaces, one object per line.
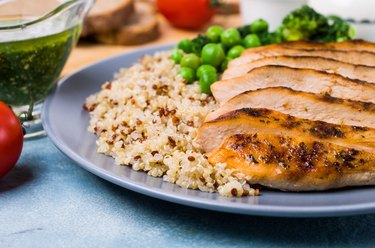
{"x":222,"y":47}
{"x":259,"y":26}
{"x":231,"y":37}
{"x":235,"y":51}
{"x":206,"y":79}
{"x":204,"y":69}
{"x":187,"y":73}
{"x":214,"y":32}
{"x":185,"y":45}
{"x":251,"y":40}
{"x":212,"y":54}
{"x":176,"y":55}
{"x":190,"y":60}
{"x":225,"y":63}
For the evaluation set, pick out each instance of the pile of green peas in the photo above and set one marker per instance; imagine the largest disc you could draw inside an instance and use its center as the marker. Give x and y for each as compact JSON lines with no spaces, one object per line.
{"x":205,"y":64}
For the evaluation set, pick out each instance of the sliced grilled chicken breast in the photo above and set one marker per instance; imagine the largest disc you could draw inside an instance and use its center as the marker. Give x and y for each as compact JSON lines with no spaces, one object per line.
{"x":306,"y":80}
{"x":211,"y":134}
{"x":348,"y":45}
{"x":303,"y":105}
{"x":360,"y":72}
{"x":295,"y":163}
{"x":350,"y":56}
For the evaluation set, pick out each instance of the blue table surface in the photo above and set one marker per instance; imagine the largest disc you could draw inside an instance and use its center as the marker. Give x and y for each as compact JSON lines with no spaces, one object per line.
{"x":47,"y":200}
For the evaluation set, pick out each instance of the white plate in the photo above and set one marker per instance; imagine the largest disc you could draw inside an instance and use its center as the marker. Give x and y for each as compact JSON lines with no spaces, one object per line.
{"x":66,"y":124}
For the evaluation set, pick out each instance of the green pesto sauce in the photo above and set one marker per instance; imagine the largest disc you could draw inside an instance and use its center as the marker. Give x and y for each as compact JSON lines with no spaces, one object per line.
{"x":30,"y":68}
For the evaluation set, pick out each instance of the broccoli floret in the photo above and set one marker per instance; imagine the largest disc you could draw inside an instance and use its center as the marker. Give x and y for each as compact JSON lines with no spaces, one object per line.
{"x":335,"y":29}
{"x":301,"y":24}
{"x":306,"y":24}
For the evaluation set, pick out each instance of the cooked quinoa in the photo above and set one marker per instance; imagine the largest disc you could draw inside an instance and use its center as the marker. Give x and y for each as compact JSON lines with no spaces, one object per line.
{"x":147,"y":118}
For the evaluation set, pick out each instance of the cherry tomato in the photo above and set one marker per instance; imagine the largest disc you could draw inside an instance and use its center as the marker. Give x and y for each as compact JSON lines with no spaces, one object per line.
{"x":190,"y":14}
{"x":11,"y":139}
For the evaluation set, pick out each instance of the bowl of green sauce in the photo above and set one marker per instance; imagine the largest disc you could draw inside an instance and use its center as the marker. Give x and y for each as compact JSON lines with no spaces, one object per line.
{"x":36,"y":38}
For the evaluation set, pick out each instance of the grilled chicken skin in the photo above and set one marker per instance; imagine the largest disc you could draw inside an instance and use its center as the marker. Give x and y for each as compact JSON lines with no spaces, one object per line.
{"x":350,"y":56}
{"x":211,"y":134}
{"x":359,"y":72}
{"x":294,"y":163}
{"x":306,"y":80}
{"x":302,"y":105}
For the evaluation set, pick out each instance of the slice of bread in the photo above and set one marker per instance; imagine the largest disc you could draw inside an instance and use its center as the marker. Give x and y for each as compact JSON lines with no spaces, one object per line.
{"x":107,"y":15}
{"x":140,"y":28}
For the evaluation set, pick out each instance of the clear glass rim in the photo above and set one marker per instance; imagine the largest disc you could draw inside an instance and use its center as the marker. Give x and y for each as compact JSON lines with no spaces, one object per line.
{"x":52,"y":13}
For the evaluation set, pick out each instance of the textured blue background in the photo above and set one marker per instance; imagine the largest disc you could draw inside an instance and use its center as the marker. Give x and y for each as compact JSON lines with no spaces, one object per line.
{"x":49,"y":201}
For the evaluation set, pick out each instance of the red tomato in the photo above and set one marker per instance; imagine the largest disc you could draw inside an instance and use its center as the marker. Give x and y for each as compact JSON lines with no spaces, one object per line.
{"x":11,"y":139}
{"x":190,"y":14}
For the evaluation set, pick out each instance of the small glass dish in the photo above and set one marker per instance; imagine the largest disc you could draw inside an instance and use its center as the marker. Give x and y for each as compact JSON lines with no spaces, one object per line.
{"x":36,"y":38}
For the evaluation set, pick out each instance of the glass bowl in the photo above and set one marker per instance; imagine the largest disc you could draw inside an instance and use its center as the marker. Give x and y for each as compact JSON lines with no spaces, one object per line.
{"x":36,"y":38}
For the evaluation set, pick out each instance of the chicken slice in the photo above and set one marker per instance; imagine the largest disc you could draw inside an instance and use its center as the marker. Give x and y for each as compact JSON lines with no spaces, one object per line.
{"x":307,"y":80}
{"x":349,"y":56}
{"x":360,"y":72}
{"x":348,"y":45}
{"x":295,"y":163}
{"x":303,"y":105}
{"x":211,"y":134}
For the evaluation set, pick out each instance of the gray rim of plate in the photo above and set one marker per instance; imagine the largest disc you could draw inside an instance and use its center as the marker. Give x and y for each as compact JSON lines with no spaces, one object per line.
{"x":195,"y":198}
